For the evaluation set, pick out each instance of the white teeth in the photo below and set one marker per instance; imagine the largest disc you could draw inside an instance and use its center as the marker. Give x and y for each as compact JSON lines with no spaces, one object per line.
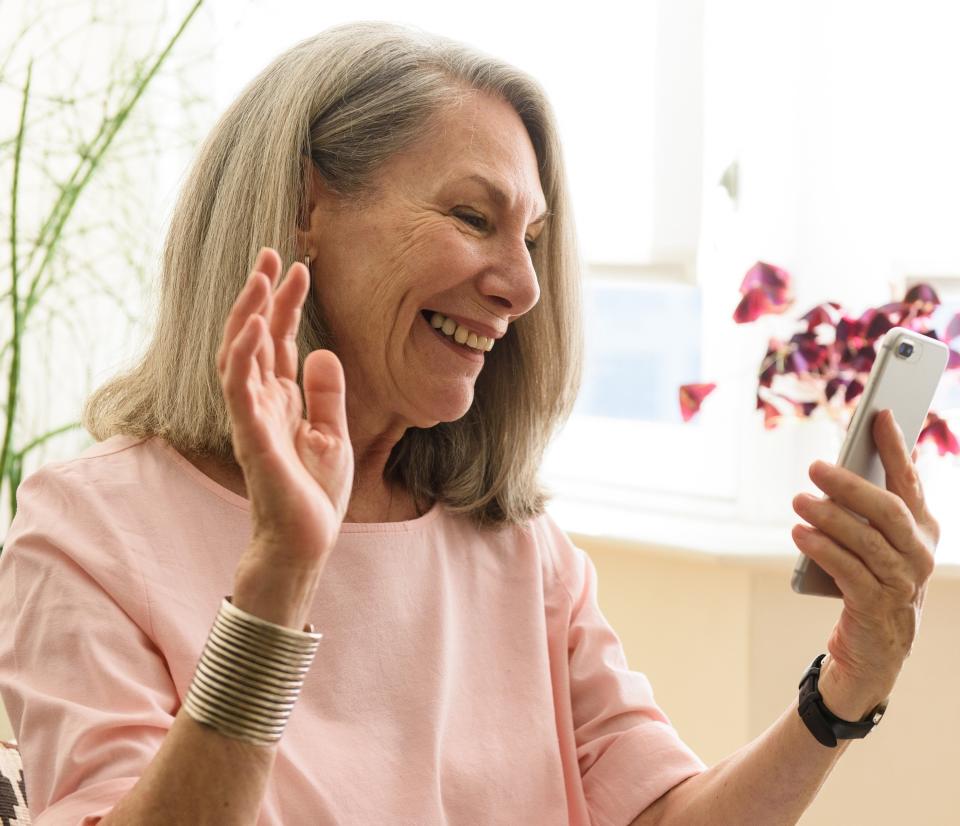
{"x":460,"y":333}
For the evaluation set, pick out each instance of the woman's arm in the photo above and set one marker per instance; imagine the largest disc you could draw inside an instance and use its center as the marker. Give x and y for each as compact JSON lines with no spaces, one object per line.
{"x":772,"y":780}
{"x":882,"y":564}
{"x":200,"y":776}
{"x":298,"y":474}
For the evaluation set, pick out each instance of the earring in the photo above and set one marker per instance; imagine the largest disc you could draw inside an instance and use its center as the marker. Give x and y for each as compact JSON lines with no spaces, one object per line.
{"x":306,"y":262}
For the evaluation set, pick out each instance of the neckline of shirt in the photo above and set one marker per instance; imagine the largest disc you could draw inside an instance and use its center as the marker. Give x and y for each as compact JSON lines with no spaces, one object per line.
{"x":185,"y":466}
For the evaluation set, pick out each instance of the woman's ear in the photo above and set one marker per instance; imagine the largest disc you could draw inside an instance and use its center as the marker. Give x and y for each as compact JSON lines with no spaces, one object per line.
{"x":315,"y":194}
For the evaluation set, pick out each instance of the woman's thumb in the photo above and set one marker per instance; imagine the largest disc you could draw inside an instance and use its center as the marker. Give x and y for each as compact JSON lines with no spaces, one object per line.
{"x":324,"y":392}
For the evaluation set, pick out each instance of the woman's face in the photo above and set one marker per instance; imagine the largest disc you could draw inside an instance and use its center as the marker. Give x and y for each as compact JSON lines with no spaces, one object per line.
{"x":448,"y":229}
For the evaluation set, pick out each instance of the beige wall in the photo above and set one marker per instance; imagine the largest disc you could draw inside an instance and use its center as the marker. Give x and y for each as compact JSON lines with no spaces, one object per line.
{"x":725,"y":642}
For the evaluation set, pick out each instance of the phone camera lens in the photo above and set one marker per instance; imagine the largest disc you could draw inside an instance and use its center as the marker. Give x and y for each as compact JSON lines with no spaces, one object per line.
{"x":905,"y":350}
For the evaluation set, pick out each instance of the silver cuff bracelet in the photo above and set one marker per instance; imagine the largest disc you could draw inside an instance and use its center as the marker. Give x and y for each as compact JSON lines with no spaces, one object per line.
{"x":250,"y":675}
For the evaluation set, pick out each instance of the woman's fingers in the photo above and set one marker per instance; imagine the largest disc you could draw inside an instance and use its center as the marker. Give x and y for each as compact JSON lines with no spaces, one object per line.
{"x":281,"y":308}
{"x":854,"y":578}
{"x":241,"y":381}
{"x":285,"y":320}
{"x":901,"y":472}
{"x":848,"y":532}
{"x":254,"y":297}
{"x":886,"y":511}
{"x":251,"y":298}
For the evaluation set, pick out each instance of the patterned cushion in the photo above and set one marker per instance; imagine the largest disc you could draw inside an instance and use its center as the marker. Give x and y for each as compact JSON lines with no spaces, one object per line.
{"x":13,"y":794}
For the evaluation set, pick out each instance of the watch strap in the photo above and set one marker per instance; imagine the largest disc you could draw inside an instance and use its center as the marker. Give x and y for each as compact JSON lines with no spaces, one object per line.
{"x":823,"y":724}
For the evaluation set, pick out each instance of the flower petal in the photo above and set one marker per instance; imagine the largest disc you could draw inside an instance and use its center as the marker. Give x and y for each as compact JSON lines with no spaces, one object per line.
{"x":691,"y":397}
{"x":939,"y":431}
{"x":854,"y":389}
{"x":924,"y":295}
{"x":774,"y":280}
{"x":755,"y":303}
{"x":771,"y":415}
{"x":827,"y":313}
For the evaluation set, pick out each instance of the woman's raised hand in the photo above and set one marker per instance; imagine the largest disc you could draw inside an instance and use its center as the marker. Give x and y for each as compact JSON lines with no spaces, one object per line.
{"x":298,"y":471}
{"x":881,"y":566}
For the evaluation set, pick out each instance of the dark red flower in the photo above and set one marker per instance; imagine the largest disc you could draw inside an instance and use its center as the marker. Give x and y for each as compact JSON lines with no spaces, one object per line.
{"x":814,"y":354}
{"x":878,"y":326}
{"x":771,"y":415}
{"x":937,"y":429}
{"x":756,"y":303}
{"x":766,"y":375}
{"x":772,"y":278}
{"x":863,"y":361}
{"x":796,"y":363}
{"x":924,"y":296}
{"x":835,"y":384}
{"x":828,"y":313}
{"x":766,"y":289}
{"x":691,"y":397}
{"x":854,"y":389}
{"x":836,"y":364}
{"x":850,"y":330}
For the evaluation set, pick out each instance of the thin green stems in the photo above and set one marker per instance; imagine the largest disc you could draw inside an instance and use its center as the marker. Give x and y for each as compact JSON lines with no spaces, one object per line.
{"x":14,"y":380}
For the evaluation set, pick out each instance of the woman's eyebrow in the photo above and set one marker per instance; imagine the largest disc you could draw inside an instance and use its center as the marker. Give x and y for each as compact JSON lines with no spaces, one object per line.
{"x":499,"y":196}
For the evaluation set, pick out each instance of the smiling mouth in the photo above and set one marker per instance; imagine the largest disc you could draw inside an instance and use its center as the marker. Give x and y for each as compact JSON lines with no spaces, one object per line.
{"x":457,"y":333}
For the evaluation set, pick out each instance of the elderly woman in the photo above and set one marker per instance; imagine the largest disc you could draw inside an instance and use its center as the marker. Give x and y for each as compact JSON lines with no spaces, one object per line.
{"x":157,"y":659}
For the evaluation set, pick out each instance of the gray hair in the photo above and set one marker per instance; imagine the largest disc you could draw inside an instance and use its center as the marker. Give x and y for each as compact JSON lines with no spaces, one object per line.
{"x":350,"y":98}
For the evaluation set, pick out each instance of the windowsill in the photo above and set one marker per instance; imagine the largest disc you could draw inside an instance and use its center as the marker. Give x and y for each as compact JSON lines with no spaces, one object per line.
{"x":692,"y":534}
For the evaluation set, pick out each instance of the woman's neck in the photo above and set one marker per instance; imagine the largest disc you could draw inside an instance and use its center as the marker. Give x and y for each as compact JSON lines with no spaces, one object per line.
{"x":383,"y":504}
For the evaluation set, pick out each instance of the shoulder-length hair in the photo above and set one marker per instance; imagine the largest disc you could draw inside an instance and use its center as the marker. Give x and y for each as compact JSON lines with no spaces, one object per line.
{"x":350,"y":98}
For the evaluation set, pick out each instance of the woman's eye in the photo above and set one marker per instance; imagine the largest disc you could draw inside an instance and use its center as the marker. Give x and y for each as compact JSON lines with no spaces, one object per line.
{"x":531,"y":244}
{"x":471,"y":218}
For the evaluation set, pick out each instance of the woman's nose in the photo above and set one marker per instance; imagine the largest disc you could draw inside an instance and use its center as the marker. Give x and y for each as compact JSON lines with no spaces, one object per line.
{"x":512,"y":280}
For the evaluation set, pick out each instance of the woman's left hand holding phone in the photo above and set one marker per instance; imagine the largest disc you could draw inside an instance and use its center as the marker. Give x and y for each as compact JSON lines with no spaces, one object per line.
{"x":881,"y":566}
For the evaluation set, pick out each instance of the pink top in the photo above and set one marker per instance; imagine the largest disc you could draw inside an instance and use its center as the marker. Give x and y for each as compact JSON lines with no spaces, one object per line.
{"x":464,"y":676}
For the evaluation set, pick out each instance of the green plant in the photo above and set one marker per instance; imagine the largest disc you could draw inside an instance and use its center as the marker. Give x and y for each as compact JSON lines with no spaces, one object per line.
{"x":39,"y":232}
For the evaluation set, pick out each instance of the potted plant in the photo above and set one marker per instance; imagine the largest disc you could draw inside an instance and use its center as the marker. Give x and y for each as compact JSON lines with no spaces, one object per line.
{"x":821,"y":360}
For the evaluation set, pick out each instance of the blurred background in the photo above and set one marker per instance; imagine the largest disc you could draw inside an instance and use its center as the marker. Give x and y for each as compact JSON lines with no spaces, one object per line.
{"x":700,"y":138}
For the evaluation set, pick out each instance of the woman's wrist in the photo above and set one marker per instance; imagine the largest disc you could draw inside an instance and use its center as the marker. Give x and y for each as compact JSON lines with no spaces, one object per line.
{"x":274,"y":593}
{"x":850,"y":703}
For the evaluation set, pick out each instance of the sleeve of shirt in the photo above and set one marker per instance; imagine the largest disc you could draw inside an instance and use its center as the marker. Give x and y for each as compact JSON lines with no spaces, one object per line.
{"x":628,"y":753}
{"x":88,"y":694}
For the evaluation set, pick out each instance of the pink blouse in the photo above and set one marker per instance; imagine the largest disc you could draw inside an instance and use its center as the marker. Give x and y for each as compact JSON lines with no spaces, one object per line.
{"x":464,"y":676}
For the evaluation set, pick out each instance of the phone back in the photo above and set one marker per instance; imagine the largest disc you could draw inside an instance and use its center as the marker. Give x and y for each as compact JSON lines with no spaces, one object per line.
{"x":907,"y":387}
{"x":904,"y":379}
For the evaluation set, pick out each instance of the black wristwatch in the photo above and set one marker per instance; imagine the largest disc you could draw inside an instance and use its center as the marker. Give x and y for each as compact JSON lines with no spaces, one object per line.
{"x":823,"y":723}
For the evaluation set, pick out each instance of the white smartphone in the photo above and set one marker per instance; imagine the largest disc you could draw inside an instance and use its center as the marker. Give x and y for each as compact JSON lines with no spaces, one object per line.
{"x":904,"y":378}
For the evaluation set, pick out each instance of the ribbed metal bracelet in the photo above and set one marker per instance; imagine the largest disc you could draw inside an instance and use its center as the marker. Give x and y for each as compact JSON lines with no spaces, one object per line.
{"x":250,"y":675}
